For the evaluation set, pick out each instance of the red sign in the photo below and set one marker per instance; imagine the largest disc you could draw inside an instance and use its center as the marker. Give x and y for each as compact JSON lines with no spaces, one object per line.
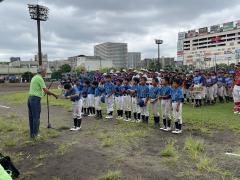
{"x":216,"y":39}
{"x":180,"y":53}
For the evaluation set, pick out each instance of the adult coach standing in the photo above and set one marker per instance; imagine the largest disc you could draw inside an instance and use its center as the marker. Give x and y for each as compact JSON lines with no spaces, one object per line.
{"x":36,"y":92}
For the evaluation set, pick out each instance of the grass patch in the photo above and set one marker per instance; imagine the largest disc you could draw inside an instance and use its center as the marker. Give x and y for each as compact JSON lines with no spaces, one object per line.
{"x":55,"y":178}
{"x":206,"y":164}
{"x":170,"y":153}
{"x":111,"y":175}
{"x":194,"y":147}
{"x":123,"y":134}
{"x":63,"y":148}
{"x":42,"y":156}
{"x":107,"y":142}
{"x":169,"y":150}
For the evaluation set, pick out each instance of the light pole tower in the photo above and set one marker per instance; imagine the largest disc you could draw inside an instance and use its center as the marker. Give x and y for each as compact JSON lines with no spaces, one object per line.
{"x":158,"y":42}
{"x":38,"y":13}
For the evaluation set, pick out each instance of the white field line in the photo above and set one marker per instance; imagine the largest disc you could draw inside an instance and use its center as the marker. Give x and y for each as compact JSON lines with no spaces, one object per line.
{"x":233,"y":154}
{"x":1,"y":106}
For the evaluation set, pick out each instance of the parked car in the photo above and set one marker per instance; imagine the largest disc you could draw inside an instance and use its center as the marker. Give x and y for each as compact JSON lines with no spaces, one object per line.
{"x":13,"y":79}
{"x":2,"y":79}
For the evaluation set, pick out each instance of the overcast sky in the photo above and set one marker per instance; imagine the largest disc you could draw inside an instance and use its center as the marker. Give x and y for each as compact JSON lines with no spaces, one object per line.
{"x":75,"y":26}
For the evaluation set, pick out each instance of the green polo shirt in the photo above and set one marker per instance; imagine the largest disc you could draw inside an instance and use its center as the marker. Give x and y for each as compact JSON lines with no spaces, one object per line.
{"x":4,"y":175}
{"x":36,"y":86}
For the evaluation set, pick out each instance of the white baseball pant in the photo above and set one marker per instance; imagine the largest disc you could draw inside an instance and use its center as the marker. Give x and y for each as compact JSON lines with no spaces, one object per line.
{"x":177,"y":115}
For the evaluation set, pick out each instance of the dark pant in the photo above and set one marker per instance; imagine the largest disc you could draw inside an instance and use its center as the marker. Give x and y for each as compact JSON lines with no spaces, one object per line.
{"x":34,"y":110}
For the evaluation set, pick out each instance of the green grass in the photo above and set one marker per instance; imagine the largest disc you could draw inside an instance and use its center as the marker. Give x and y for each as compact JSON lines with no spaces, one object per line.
{"x":21,"y":97}
{"x":218,"y":116}
{"x":194,"y":147}
{"x":206,"y":164}
{"x":169,"y":150}
{"x":124,"y":134}
{"x":111,"y":175}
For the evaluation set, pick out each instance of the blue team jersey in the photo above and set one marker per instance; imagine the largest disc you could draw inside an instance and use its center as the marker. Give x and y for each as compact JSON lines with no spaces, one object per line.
{"x":197,"y":79}
{"x":71,"y":92}
{"x":164,"y":91}
{"x":91,"y":90}
{"x":99,"y":91}
{"x":153,"y":92}
{"x":125,"y":88}
{"x":143,"y":91}
{"x":209,"y":82}
{"x":221,"y":79}
{"x":134,"y":87}
{"x":109,"y":87}
{"x":80,"y":87}
{"x":119,"y":90}
{"x":229,"y":82}
{"x":177,"y":95}
{"x":85,"y":89}
{"x":214,"y":79}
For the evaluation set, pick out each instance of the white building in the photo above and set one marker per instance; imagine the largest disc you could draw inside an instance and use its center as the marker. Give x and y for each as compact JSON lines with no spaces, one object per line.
{"x":134,"y":59}
{"x":92,"y":63}
{"x":209,"y":46}
{"x":44,"y":58}
{"x":115,"y":52}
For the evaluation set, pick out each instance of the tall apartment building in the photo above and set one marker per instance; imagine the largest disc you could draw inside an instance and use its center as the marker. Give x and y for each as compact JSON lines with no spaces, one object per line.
{"x":134,"y":59}
{"x":115,"y":52}
{"x":209,"y":46}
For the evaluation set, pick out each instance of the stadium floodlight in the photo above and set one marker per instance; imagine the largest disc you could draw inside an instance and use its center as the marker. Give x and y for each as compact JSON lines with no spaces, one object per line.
{"x":38,"y":13}
{"x":158,"y":42}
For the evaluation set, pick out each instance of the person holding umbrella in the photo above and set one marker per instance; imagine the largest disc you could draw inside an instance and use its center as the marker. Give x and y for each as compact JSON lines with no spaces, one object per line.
{"x":37,"y":90}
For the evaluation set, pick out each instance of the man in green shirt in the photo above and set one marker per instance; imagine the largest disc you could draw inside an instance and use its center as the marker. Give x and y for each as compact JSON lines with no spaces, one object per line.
{"x":36,"y":92}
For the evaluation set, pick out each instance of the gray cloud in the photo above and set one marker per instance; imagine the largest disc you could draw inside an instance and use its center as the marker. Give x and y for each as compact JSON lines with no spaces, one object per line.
{"x":74,"y":26}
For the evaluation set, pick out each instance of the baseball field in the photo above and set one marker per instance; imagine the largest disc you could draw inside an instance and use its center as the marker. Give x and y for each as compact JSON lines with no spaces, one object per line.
{"x":209,"y":147}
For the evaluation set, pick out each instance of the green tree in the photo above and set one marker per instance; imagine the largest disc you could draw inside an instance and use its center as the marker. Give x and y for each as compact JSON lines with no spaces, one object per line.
{"x":27,"y":76}
{"x":65,"y":68}
{"x":56,"y":75}
{"x":80,"y":69}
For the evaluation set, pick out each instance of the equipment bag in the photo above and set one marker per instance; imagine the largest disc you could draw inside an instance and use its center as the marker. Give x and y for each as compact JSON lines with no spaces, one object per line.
{"x":7,"y":164}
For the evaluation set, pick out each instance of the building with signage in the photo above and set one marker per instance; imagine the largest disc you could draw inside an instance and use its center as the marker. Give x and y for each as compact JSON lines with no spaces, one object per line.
{"x":115,"y":52}
{"x":209,"y":46}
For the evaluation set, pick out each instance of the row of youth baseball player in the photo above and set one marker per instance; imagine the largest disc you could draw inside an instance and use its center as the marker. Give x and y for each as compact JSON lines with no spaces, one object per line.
{"x":132,"y":99}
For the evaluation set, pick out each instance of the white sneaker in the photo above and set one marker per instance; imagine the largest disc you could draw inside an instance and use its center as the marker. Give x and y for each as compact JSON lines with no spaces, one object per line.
{"x":73,"y":128}
{"x":179,"y":131}
{"x":167,"y":129}
{"x":139,"y":120}
{"x":118,"y":118}
{"x":109,"y":117}
{"x":235,"y":112}
{"x":163,"y":128}
{"x":175,"y":131}
{"x":78,"y":128}
{"x":91,"y":115}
